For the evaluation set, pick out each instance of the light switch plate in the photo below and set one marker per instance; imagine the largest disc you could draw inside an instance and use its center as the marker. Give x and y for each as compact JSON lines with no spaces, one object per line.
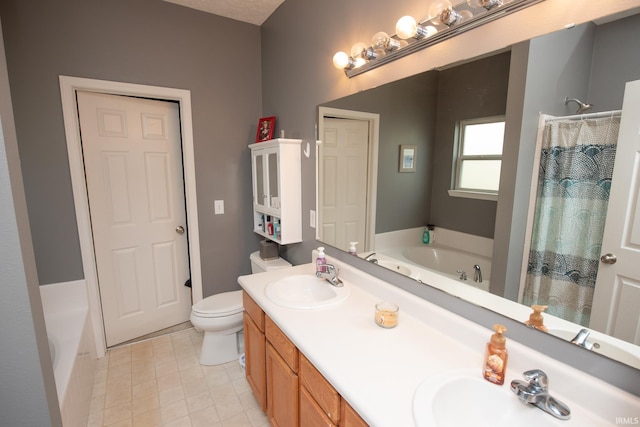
{"x":312,"y":219}
{"x":218,"y":207}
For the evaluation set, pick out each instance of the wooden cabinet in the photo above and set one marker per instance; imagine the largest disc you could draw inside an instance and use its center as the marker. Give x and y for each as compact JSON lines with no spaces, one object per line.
{"x":286,"y":384}
{"x":255,"y":350}
{"x":327,"y":398}
{"x":277,"y":190}
{"x":349,"y":417}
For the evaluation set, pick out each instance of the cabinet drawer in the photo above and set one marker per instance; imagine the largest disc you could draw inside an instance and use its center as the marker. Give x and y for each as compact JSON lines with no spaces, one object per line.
{"x":327,"y":397}
{"x":282,"y":344}
{"x":254,"y":310}
{"x":350,"y":417}
{"x":311,"y":415}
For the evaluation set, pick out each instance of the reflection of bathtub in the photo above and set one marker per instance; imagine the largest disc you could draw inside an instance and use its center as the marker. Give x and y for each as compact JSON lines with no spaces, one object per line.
{"x":72,"y":346}
{"x":443,"y":260}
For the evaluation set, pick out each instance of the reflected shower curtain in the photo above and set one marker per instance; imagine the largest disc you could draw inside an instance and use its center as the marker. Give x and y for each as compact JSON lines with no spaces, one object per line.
{"x":576,"y":165}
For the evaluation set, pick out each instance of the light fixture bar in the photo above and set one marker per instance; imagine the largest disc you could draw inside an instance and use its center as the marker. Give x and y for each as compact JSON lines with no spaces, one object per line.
{"x":442,"y":35}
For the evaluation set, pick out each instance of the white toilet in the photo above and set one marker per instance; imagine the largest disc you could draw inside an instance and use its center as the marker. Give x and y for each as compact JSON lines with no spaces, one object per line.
{"x":220,"y":318}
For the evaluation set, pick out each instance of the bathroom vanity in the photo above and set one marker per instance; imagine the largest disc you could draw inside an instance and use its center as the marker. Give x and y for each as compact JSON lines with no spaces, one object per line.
{"x":331,"y":364}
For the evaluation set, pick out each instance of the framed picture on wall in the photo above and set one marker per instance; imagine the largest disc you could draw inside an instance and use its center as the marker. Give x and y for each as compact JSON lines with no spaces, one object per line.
{"x":266,"y":127}
{"x":407,"y":158}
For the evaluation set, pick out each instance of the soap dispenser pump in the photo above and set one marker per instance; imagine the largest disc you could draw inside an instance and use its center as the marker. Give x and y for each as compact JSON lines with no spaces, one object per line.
{"x":321,"y":261}
{"x":536,"y":320}
{"x":352,"y":248}
{"x":495,"y":361}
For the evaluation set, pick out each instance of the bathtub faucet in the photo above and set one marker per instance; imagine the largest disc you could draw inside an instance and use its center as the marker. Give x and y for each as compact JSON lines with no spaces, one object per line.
{"x":371,"y":258}
{"x":477,"y":274}
{"x":462,"y":273}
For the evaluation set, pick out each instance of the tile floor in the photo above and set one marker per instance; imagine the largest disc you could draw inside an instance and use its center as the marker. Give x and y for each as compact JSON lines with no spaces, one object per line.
{"x":159,"y":382}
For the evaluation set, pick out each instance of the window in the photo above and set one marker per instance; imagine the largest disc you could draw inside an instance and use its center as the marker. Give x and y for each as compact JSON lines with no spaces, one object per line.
{"x":478,"y":158}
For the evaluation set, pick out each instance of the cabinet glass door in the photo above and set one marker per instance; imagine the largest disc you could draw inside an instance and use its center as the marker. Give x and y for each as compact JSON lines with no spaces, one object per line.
{"x":259,"y":189}
{"x":273,"y":191}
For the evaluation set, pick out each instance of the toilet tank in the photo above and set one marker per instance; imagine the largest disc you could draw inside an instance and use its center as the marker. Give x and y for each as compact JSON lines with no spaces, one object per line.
{"x":259,"y":265}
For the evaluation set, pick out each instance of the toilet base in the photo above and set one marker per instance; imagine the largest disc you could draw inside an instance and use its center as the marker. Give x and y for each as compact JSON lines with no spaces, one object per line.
{"x":219,"y":348}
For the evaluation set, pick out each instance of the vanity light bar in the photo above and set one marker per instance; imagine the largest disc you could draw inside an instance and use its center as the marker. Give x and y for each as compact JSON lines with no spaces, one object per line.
{"x":484,"y":16}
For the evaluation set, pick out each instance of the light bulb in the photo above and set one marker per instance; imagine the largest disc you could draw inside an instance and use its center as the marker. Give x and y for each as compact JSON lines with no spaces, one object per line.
{"x":406,"y":27}
{"x":379,"y":41}
{"x":358,"y":50}
{"x":341,"y":60}
{"x":441,"y":12}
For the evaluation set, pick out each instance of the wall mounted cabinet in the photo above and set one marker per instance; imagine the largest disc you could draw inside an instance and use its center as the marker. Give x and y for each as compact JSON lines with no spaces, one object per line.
{"x":277,"y":193}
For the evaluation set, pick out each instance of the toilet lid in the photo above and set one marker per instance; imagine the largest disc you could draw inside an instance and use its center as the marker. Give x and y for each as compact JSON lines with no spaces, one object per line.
{"x":218,"y":305}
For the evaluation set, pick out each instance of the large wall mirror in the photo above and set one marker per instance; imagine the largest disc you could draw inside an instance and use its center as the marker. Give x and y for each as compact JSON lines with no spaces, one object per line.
{"x":365,"y":195}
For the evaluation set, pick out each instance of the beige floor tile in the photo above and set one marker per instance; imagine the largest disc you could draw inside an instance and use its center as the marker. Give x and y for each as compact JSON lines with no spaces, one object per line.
{"x":207,"y":417}
{"x":159,"y":382}
{"x":169,"y":381}
{"x":148,"y":419}
{"x":229,"y":408}
{"x":199,"y":402}
{"x":145,"y":404}
{"x":171,"y":395}
{"x":174,"y":411}
{"x":117,"y":414}
{"x":193,"y":388}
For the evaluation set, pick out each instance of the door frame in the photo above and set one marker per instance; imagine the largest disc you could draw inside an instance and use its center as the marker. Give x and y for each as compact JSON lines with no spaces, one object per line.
{"x":68,"y":88}
{"x":372,"y":158}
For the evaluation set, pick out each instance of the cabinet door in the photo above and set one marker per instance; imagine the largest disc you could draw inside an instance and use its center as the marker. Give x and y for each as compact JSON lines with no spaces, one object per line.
{"x":320,"y":389}
{"x":254,"y":346}
{"x":282,"y":391}
{"x":350,"y":417}
{"x":311,"y":415}
{"x":259,"y":184}
{"x":273,"y":179}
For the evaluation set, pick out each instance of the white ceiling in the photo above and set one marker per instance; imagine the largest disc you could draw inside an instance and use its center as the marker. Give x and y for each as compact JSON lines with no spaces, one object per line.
{"x":251,"y":11}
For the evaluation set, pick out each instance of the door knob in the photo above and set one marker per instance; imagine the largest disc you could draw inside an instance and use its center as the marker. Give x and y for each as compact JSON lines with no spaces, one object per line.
{"x":608,"y":259}
{"x":180,"y":229}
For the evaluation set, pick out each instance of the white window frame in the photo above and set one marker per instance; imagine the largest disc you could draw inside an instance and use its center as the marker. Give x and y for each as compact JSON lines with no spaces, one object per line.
{"x":471,"y":193}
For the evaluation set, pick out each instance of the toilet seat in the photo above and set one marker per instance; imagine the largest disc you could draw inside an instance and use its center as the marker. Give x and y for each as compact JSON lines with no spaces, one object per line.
{"x":219,"y":305}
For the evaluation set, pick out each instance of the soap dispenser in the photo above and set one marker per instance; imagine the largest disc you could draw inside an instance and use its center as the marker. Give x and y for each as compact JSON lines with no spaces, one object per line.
{"x":352,"y":248}
{"x":428,"y":235}
{"x":536,"y":320}
{"x":495,"y":361}
{"x":321,"y":261}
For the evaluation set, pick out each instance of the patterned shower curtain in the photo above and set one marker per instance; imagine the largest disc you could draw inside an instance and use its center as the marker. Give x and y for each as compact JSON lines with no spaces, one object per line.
{"x":574,"y":180}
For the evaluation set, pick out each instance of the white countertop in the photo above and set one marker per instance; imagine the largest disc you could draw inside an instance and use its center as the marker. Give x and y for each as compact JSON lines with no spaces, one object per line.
{"x":377,"y":370}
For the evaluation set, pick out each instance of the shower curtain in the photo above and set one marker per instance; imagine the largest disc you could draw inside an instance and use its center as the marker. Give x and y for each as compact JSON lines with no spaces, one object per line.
{"x":576,"y":165}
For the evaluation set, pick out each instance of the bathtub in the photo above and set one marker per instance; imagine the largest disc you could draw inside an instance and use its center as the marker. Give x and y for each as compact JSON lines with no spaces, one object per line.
{"x":443,"y":260}
{"x":72,"y":346}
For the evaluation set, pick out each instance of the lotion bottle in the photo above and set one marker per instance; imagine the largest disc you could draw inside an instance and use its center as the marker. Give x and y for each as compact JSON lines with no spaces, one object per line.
{"x":495,"y":361}
{"x":321,"y":261}
{"x":536,"y":320}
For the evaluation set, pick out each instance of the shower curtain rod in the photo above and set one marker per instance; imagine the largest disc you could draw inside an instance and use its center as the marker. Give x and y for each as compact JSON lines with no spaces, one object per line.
{"x":612,"y":113}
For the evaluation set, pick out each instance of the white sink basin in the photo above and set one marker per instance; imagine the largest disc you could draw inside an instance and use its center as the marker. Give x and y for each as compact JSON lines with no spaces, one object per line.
{"x":461,"y":399}
{"x":305,"y":291}
{"x":394,"y":266}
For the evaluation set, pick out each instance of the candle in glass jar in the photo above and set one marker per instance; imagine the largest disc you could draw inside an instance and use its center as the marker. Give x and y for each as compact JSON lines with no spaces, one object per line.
{"x":386,"y":314}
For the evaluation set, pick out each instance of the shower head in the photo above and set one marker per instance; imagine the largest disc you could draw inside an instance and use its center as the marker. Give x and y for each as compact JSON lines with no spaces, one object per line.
{"x":582,"y":107}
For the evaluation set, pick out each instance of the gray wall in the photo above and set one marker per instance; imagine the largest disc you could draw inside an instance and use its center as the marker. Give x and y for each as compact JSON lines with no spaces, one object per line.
{"x":468,"y":91}
{"x":146,"y":42}
{"x":27,"y":388}
{"x":424,"y":110}
{"x":407,"y":116}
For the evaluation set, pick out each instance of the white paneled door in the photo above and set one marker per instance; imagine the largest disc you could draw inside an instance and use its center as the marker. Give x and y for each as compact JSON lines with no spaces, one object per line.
{"x":343,"y":172}
{"x":133,"y":167}
{"x":617,"y":294}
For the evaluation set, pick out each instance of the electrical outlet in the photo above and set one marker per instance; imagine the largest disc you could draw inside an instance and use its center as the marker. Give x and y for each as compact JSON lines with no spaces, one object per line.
{"x":218,"y":206}
{"x":312,"y":218}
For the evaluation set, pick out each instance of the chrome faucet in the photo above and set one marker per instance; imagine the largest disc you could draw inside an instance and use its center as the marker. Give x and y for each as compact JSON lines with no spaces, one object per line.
{"x":329,"y":272}
{"x":371,"y":258}
{"x":536,"y":392}
{"x":581,"y":339}
{"x":477,"y":274}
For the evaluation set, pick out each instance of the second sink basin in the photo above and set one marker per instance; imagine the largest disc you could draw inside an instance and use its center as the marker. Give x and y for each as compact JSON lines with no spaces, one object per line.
{"x":304,"y":291}
{"x":461,"y":399}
